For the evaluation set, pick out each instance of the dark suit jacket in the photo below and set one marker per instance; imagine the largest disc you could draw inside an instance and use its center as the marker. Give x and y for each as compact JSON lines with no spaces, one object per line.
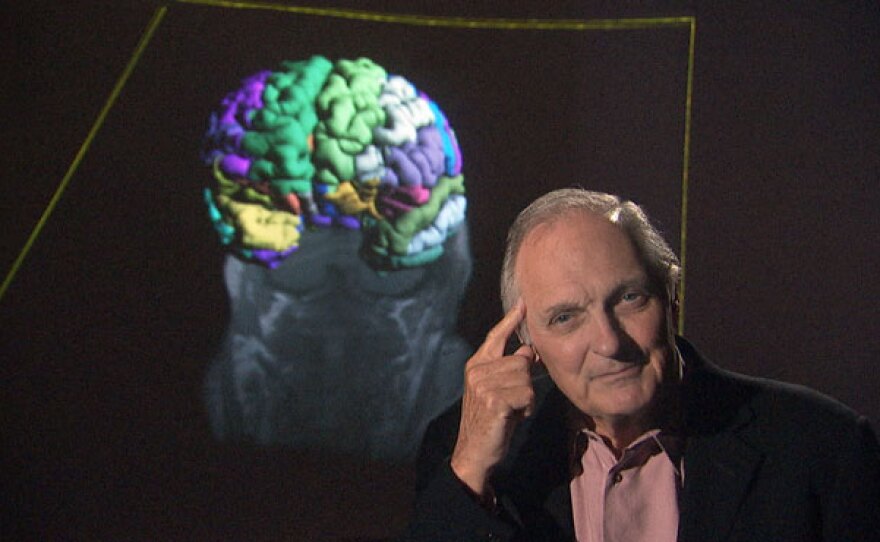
{"x":764,"y":461}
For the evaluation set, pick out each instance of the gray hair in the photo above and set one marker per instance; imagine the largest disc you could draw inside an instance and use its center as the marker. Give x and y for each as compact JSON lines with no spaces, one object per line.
{"x":661,"y":263}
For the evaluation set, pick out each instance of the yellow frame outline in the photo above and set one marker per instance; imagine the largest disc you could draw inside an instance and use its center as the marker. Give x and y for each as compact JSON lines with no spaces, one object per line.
{"x":99,"y":121}
{"x":415,"y":20}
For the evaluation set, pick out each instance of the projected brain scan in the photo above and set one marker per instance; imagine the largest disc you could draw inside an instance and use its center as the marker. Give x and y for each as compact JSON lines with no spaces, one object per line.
{"x":337,"y":190}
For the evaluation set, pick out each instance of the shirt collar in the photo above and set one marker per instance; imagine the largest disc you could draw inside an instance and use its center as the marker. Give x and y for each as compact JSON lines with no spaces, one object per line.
{"x":668,"y":434}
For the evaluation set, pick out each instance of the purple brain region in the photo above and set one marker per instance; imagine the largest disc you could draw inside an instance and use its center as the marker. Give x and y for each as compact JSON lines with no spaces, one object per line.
{"x":318,"y":144}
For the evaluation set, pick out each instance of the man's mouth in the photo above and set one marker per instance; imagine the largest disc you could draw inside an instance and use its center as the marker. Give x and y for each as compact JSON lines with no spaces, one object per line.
{"x":624,"y":371}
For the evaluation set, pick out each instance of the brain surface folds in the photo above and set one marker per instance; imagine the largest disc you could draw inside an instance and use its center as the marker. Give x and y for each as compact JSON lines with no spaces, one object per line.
{"x":317,"y":144}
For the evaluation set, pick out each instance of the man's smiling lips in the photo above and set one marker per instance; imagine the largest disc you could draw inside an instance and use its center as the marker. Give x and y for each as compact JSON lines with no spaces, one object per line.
{"x":624,"y":371}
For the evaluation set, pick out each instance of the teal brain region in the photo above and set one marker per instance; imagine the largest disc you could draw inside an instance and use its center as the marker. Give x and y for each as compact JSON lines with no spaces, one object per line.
{"x":317,"y":144}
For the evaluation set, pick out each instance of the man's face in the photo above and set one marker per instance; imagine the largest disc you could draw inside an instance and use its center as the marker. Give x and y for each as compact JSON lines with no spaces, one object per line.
{"x":595,"y":318}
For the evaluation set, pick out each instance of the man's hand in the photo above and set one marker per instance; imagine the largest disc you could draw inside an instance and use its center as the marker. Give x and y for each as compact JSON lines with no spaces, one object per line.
{"x":497,"y":395}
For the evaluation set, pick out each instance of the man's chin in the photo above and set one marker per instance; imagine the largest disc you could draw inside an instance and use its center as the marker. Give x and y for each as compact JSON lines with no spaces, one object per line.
{"x":626,"y":402}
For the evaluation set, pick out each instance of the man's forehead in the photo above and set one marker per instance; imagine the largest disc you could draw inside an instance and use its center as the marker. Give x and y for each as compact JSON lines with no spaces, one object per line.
{"x":578,"y":226}
{"x":579,"y":244}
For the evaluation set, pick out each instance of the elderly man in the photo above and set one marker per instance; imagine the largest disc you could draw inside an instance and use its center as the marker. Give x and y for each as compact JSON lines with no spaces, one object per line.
{"x":634,"y":436}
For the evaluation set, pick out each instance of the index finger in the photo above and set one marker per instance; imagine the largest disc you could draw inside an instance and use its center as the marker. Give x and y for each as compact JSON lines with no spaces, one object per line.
{"x":497,"y":337}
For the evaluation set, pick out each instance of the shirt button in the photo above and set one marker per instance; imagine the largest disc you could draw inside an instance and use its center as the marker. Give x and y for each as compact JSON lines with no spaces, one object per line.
{"x":617,"y":478}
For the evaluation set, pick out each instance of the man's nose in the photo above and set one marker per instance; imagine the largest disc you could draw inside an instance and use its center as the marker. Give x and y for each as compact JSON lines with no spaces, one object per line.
{"x":607,"y":335}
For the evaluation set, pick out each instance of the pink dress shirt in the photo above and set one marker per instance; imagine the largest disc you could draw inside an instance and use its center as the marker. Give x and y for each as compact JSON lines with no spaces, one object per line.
{"x":631,"y":499}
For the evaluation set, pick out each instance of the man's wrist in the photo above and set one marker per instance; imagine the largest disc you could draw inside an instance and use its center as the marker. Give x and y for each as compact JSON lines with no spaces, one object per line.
{"x":467,"y":474}
{"x":485,"y":497}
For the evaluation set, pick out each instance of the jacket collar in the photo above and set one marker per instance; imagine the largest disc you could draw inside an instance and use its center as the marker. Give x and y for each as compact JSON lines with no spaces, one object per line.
{"x":719,"y":461}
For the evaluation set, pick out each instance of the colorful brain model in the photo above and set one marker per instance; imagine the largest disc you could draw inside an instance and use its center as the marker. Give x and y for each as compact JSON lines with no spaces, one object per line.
{"x":317,"y":144}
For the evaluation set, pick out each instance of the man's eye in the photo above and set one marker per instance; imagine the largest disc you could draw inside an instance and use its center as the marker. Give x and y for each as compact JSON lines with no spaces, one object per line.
{"x":634,"y":298}
{"x":560,"y":319}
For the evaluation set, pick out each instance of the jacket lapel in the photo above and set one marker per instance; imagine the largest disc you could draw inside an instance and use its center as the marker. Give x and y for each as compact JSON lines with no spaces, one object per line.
{"x":718,"y":471}
{"x":719,"y":461}
{"x":558,"y":505}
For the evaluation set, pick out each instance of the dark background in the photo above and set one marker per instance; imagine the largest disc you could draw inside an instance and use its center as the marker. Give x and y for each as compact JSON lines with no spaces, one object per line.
{"x":109,"y":324}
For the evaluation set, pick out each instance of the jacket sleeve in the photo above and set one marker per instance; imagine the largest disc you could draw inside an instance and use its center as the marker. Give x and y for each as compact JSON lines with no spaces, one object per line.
{"x":446,"y":512}
{"x":444,"y":509}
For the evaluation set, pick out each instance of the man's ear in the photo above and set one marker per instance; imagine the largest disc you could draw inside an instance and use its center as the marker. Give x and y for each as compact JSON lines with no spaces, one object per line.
{"x":674,"y":308}
{"x":522,"y":333}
